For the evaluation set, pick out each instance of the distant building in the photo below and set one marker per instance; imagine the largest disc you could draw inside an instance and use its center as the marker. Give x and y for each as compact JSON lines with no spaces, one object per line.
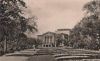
{"x":63,"y":31}
{"x":49,"y":38}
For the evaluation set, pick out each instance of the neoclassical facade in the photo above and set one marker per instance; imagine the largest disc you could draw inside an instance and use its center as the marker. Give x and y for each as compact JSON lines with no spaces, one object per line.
{"x":49,"y":38}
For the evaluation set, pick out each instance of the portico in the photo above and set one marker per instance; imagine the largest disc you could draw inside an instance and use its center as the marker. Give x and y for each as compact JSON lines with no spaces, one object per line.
{"x":48,"y":39}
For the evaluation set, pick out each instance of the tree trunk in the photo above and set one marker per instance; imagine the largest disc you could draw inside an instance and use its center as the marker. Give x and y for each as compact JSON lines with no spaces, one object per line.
{"x":5,"y":46}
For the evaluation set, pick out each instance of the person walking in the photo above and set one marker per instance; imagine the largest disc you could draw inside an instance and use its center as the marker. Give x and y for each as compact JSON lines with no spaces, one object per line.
{"x":34,"y":47}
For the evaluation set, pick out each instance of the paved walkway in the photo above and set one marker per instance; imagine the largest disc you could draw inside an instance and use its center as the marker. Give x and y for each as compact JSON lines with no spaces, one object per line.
{"x":42,"y":58}
{"x":43,"y":55}
{"x":18,"y":56}
{"x":46,"y":55}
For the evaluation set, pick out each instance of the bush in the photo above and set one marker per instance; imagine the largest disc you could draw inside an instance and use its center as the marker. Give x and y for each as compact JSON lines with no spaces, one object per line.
{"x":1,"y":53}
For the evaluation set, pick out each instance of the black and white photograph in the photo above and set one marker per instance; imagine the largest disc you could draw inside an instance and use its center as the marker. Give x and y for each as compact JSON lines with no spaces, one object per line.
{"x":49,"y":30}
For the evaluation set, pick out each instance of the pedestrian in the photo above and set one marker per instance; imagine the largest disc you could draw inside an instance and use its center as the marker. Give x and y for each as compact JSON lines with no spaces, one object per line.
{"x":34,"y":47}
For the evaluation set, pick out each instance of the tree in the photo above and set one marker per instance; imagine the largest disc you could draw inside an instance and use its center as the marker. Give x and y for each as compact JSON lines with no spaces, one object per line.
{"x":93,"y":10}
{"x":12,"y":20}
{"x":62,"y":39}
{"x":34,"y":41}
{"x":86,"y":33}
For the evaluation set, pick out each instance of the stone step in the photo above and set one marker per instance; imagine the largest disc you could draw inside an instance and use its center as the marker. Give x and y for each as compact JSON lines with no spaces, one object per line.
{"x":61,"y":55}
{"x":71,"y":57}
{"x":44,"y":52}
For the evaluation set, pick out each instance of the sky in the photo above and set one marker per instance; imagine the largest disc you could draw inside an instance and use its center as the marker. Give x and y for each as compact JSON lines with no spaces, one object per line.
{"x":56,"y":14}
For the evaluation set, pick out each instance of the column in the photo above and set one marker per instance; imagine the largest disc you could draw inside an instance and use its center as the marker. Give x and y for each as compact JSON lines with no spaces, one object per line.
{"x":49,"y":40}
{"x":43,"y":41}
{"x":54,"y":41}
{"x":46,"y":40}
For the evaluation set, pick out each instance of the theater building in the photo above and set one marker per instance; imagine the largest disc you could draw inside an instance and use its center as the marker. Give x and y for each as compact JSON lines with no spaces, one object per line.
{"x":49,"y":38}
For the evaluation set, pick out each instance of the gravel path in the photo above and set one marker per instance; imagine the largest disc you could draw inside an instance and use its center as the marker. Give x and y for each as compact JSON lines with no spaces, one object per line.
{"x":51,"y":55}
{"x":43,"y":55}
{"x":42,"y":58}
{"x":18,"y":56}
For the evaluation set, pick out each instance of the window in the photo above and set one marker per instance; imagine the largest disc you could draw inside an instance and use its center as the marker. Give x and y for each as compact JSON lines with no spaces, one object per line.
{"x":43,"y":45}
{"x":49,"y":45}
{"x":46,"y":45}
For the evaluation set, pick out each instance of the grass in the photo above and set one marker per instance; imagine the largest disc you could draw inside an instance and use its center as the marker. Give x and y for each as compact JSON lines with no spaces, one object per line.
{"x":91,"y":56}
{"x":21,"y":54}
{"x":46,"y":55}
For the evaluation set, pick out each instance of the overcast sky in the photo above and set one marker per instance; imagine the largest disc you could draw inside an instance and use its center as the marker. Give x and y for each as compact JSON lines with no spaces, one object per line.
{"x":56,"y":14}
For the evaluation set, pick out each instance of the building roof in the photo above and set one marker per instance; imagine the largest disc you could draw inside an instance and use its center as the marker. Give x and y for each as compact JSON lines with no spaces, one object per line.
{"x":55,"y":32}
{"x":63,"y":29}
{"x":49,"y":32}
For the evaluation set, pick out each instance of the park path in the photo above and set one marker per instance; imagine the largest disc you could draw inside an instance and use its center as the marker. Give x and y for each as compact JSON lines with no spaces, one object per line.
{"x":42,"y":58}
{"x":18,"y":56}
{"x":43,"y":55}
{"x":51,"y":54}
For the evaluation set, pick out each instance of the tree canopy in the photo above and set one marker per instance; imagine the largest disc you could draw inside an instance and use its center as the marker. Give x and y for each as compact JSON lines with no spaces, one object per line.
{"x":86,"y":33}
{"x":12,"y":20}
{"x":13,"y":23}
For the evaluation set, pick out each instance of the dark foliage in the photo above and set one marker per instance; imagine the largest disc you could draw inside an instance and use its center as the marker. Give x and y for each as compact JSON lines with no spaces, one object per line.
{"x":13,"y":25}
{"x":86,"y":34}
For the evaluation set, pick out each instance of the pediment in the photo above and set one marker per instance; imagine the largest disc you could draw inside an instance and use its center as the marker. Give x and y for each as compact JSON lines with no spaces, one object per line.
{"x":49,"y":33}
